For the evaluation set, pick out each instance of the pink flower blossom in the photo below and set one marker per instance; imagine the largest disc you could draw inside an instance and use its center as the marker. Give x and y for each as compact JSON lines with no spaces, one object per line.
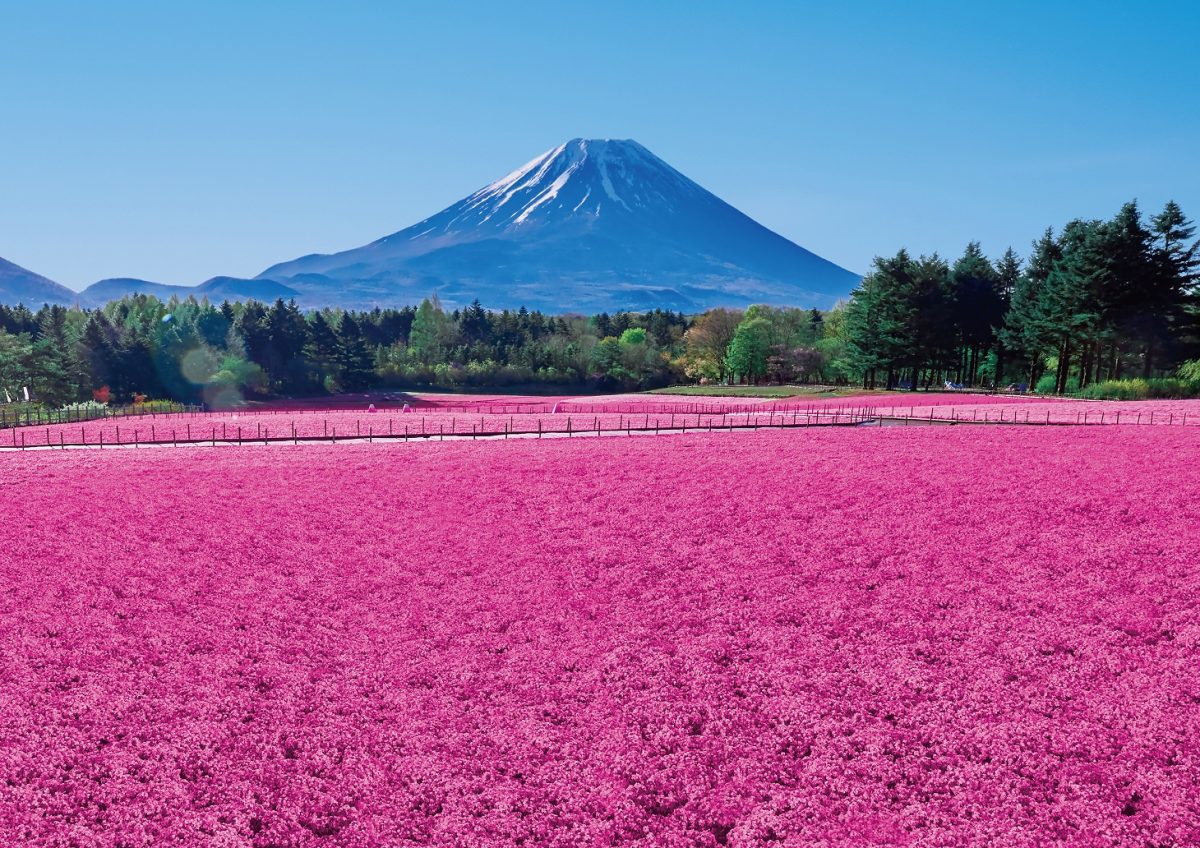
{"x":838,"y":637}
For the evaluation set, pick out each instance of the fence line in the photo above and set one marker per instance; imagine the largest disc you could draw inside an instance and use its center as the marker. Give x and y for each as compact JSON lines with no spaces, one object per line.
{"x":404,"y":428}
{"x":42,"y":417}
{"x":424,"y":429}
{"x":563,"y":407}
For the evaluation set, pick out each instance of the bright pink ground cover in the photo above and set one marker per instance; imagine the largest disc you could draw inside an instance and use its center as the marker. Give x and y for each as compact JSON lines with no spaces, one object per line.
{"x":508,"y":404}
{"x":993,"y":408}
{"x":896,"y":400}
{"x":329,"y":423}
{"x":320,"y":423}
{"x":923,"y":636}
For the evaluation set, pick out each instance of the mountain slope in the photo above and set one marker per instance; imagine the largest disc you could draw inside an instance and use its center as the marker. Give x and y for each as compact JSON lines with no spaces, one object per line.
{"x":589,"y":225}
{"x":20,"y":285}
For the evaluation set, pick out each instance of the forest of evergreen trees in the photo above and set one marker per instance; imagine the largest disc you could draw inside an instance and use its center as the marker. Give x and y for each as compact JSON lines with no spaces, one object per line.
{"x":1097,"y":302}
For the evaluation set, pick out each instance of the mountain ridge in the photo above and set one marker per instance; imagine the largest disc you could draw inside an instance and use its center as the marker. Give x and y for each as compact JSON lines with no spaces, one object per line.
{"x":588,"y":226}
{"x":20,"y":285}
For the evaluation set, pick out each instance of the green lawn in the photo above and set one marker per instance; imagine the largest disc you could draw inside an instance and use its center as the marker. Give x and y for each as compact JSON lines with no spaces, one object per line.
{"x":759,"y":391}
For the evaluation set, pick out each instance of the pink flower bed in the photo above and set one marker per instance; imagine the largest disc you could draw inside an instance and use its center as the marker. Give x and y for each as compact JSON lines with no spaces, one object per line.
{"x":1066,"y":411}
{"x":251,"y":426}
{"x":897,"y":400}
{"x":923,"y":636}
{"x":328,"y":424}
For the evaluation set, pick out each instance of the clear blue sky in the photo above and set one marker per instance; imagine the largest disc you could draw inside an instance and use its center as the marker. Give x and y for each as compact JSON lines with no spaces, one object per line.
{"x":175,"y":141}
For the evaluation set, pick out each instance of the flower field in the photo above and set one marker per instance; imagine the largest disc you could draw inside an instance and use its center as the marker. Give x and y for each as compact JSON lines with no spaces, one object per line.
{"x":562,"y":417}
{"x":834,"y":637}
{"x":333,"y":424}
{"x":1015,"y":409}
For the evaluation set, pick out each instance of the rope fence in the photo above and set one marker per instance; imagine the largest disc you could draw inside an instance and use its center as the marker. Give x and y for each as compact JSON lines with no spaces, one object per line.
{"x":185,"y":430}
{"x":420,"y":428}
{"x":41,"y":417}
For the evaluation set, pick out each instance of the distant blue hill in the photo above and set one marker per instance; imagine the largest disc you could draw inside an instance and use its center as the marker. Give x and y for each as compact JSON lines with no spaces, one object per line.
{"x":20,"y":285}
{"x":216,"y":290}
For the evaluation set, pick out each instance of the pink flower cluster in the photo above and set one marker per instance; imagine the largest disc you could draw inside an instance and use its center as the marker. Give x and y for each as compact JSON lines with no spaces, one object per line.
{"x":922,"y":636}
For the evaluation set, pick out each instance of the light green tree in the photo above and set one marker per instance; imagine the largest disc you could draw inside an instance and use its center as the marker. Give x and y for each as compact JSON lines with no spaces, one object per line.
{"x":747,"y":355}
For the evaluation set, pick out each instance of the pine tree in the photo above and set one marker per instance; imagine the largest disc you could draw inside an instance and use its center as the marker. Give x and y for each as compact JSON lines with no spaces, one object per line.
{"x":354,"y":357}
{"x":99,"y":347}
{"x":425,"y":339}
{"x":883,"y":318}
{"x":49,"y":379}
{"x":1026,"y":328}
{"x":287,"y":332}
{"x":322,"y":354}
{"x":1073,"y":302}
{"x":864,"y":347}
{"x":475,"y":324}
{"x":55,"y":354}
{"x":1176,"y":268}
{"x":931,"y":336}
{"x":1008,"y":278}
{"x":978,"y":308}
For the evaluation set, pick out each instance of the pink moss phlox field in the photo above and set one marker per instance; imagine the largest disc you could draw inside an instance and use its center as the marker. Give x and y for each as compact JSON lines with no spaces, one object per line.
{"x":249,"y":426}
{"x":894,"y":636}
{"x":1064,"y":411}
{"x":321,"y":423}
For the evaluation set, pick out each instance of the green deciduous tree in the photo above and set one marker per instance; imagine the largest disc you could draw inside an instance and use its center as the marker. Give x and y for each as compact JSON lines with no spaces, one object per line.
{"x":747,"y":355}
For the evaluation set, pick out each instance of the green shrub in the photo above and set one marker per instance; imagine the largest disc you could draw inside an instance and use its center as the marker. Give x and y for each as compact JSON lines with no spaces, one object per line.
{"x":1173,"y":387}
{"x":1045,"y":386}
{"x":1138,"y":389}
{"x":1116,"y":390}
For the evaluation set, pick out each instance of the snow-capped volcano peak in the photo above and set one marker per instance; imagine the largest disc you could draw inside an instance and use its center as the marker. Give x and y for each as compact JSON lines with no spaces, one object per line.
{"x":582,"y":178}
{"x":589,"y":224}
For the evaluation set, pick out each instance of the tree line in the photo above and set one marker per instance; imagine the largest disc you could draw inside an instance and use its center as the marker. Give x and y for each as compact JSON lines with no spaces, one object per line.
{"x":1096,"y":301}
{"x":193,"y":350}
{"x":1100,"y":300}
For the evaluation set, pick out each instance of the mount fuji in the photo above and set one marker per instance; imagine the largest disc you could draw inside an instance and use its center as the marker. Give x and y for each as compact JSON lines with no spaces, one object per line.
{"x":591,"y":225}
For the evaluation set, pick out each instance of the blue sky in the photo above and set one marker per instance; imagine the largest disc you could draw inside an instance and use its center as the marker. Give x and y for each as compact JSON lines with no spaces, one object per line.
{"x":175,"y":141}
